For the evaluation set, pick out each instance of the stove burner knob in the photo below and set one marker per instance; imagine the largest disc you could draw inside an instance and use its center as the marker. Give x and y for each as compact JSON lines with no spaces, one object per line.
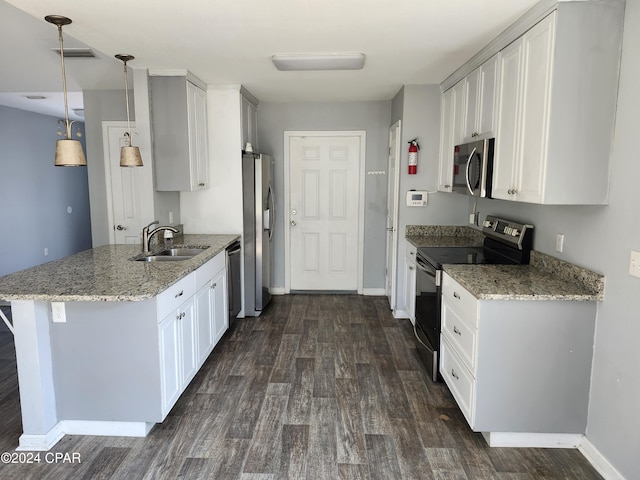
{"x":515,"y":232}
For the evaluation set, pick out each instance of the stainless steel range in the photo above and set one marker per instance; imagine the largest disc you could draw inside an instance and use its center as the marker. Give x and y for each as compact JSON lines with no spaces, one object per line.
{"x":505,"y":242}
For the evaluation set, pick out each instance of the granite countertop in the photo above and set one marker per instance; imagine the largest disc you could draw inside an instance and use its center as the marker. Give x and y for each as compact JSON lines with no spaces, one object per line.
{"x":518,"y":282}
{"x":443,"y":236}
{"x":107,"y":274}
{"x":545,"y":278}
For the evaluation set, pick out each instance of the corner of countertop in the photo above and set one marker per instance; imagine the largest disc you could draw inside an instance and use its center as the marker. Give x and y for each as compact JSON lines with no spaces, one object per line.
{"x":589,"y":279}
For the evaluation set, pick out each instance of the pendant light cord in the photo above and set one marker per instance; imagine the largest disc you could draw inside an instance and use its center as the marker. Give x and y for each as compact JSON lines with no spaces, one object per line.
{"x":64,"y":86}
{"x":126,"y":97}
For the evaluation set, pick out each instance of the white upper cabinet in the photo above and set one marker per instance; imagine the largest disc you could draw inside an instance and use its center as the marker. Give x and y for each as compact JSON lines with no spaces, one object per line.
{"x":521,"y":145}
{"x":445,"y":174}
{"x":558,"y":88}
{"x":179,"y":125}
{"x":481,"y":99}
{"x":452,"y":127}
{"x":546,"y":89}
{"x":249,"y":118}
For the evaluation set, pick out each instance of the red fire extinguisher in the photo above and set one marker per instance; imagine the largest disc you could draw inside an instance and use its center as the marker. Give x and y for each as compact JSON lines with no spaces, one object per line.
{"x":413,"y":156}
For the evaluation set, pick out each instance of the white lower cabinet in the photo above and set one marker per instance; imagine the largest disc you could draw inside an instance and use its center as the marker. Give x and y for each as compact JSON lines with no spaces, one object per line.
{"x":517,"y":366}
{"x":410,"y":282}
{"x":189,"y":333}
{"x":219,"y":305}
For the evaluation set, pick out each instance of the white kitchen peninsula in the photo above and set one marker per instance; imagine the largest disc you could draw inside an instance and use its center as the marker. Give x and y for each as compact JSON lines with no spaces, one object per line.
{"x":134,"y":335}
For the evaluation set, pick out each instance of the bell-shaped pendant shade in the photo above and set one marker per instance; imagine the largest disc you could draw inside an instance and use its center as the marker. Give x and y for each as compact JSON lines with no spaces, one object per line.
{"x":69,"y":154}
{"x":130,"y":157}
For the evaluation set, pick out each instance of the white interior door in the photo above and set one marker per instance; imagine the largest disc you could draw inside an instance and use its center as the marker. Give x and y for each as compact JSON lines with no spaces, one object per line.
{"x":323,"y":216}
{"x":123,"y":187}
{"x":392,"y":213}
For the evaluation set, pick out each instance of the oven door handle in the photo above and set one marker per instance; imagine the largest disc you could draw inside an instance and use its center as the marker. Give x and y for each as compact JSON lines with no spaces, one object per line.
{"x":429,"y":270}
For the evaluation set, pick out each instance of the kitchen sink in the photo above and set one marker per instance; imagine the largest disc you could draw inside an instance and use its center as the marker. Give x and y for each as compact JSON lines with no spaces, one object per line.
{"x":176,"y":254}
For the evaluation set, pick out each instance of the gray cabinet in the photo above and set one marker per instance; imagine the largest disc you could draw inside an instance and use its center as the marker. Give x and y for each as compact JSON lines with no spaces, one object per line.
{"x":517,"y":366}
{"x":179,"y":127}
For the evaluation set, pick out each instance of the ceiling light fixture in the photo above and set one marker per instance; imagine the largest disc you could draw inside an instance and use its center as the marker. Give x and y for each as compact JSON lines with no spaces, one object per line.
{"x":129,"y":155}
{"x":328,"y":61}
{"x":68,"y":151}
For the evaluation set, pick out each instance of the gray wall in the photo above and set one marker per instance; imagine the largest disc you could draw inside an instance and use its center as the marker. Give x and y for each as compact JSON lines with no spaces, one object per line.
{"x":101,"y":105}
{"x":34,"y":195}
{"x":601,"y":238}
{"x":374,"y":117}
{"x":418,"y":107}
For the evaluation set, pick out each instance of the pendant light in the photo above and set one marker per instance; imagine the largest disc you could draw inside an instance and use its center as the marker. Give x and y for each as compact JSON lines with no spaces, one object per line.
{"x":129,"y":155}
{"x":68,"y":151}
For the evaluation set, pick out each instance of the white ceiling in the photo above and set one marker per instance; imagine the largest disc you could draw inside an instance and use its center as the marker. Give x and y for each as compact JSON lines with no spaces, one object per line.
{"x":232,"y":41}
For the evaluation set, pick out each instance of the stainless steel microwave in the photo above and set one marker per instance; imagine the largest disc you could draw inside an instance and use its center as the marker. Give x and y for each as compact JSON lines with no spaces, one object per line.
{"x":473,"y":168}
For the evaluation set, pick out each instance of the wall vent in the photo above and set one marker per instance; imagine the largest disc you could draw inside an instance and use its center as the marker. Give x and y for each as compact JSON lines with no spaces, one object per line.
{"x":76,"y":52}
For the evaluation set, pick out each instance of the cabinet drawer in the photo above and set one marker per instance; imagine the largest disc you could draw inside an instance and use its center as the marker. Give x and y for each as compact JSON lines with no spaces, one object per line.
{"x":207,"y":271}
{"x":460,"y":299}
{"x":175,"y":295}
{"x":460,"y":334}
{"x":458,"y":379}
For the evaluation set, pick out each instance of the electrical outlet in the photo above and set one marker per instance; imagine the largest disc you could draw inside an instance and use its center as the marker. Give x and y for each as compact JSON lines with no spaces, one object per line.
{"x":170,"y":218}
{"x":634,"y":264}
{"x":559,"y":242}
{"x":57,"y":312}
{"x":46,"y":252}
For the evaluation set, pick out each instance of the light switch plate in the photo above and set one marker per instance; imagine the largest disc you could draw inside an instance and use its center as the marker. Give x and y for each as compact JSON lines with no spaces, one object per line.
{"x":559,"y":242}
{"x":634,"y":264}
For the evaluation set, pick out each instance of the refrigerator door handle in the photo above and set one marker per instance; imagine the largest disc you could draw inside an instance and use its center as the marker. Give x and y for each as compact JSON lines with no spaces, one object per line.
{"x":271,"y":212}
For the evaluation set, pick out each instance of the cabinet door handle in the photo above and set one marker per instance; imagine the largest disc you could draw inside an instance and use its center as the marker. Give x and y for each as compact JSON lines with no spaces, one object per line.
{"x":454,"y":374}
{"x":214,"y":285}
{"x":456,"y":331}
{"x":180,"y":316}
{"x":447,"y":186}
{"x":201,"y":184}
{"x":455,"y":295}
{"x":179,"y":294}
{"x":410,"y":268}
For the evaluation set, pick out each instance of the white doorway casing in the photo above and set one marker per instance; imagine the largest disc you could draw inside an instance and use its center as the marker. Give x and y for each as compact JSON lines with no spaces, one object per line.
{"x":124,"y":187}
{"x":357,"y":192}
{"x":393,"y":173}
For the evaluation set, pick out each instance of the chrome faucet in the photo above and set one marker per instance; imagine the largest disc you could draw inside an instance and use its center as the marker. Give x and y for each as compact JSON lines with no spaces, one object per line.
{"x":148,"y":235}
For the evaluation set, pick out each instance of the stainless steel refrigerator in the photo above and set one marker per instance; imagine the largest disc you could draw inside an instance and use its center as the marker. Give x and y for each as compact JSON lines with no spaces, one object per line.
{"x":259,"y":216}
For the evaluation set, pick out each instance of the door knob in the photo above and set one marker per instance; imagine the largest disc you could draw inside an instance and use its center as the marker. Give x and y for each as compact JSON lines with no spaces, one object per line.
{"x":121,"y":227}
{"x":294,"y":211}
{"x":293,"y":223}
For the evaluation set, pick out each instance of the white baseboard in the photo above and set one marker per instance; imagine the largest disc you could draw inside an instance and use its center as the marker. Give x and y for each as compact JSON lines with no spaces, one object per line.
{"x":532,"y":440}
{"x":599,"y":461}
{"x":400,"y":314}
{"x":42,"y":443}
{"x":107,"y":429}
{"x":374,"y":292}
{"x":278,"y":291}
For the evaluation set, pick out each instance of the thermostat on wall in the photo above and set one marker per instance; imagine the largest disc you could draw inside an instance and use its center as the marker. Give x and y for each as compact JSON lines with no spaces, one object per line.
{"x":417,"y":198}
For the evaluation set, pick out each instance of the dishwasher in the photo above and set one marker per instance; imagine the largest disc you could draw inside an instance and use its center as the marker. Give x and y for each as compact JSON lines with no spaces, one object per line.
{"x":234,"y":281}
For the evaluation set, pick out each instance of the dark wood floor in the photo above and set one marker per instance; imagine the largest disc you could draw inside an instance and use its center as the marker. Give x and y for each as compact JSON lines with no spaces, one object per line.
{"x":319,"y":387}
